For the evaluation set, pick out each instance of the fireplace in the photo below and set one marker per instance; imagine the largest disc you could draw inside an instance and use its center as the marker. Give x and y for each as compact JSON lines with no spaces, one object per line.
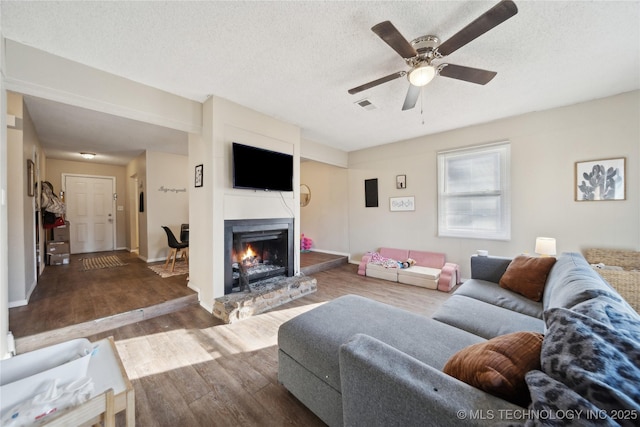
{"x":256,"y":249}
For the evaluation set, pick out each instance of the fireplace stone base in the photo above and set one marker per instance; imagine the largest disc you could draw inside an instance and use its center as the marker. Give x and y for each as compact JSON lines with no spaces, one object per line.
{"x":264,"y":295}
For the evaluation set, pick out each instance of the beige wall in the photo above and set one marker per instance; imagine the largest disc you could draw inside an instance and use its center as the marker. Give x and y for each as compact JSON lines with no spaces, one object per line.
{"x":544,"y":148}
{"x":31,"y":71}
{"x":55,"y":169}
{"x":311,"y":150}
{"x":22,"y":144}
{"x":167,"y":201}
{"x":326,"y":218}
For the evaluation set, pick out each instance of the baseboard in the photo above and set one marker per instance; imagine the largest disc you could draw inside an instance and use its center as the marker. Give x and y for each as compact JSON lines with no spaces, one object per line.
{"x":149,"y":260}
{"x":193,"y":288}
{"x":324,"y":251}
{"x":207,"y":307}
{"x":19,"y":303}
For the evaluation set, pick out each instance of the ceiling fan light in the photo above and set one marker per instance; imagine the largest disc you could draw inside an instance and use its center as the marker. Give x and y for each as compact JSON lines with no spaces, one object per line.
{"x":421,"y":76}
{"x":88,"y":156}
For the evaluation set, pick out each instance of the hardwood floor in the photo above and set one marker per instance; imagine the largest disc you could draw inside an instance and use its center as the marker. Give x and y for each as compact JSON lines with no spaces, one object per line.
{"x":190,"y":369}
{"x":66,"y":295}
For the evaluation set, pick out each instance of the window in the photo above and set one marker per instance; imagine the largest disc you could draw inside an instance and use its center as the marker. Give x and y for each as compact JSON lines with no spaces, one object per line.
{"x":473,"y":192}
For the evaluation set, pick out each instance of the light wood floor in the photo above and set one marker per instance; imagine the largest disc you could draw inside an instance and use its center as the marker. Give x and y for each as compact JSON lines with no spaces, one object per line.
{"x":190,"y":369}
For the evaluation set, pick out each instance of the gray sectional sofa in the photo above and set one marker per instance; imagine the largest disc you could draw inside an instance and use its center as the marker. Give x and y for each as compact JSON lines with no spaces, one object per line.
{"x":358,"y":362}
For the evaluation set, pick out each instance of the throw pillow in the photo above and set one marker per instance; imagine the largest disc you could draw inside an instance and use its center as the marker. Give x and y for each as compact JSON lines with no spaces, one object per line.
{"x":499,"y":365}
{"x":599,"y":360}
{"x":527,"y":276}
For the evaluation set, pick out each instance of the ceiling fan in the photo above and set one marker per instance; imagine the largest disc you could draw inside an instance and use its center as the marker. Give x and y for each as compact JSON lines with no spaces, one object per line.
{"x":420,"y":53}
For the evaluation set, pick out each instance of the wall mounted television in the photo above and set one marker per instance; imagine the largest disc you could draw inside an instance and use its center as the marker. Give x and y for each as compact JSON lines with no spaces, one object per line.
{"x":260,"y":169}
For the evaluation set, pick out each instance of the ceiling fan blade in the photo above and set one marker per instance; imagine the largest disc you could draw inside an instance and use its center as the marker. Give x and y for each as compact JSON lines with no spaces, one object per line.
{"x":412,"y":97}
{"x":377,"y":82}
{"x":468,"y":74}
{"x":391,"y":36}
{"x":488,"y":20}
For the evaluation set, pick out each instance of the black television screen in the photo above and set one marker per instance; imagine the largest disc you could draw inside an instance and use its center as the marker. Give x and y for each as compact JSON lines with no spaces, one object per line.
{"x":260,"y":169}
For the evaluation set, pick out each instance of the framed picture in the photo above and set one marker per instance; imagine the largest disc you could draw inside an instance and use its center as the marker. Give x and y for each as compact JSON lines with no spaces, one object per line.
{"x":199,"y":172}
{"x":31,"y":178}
{"x":600,"y":180}
{"x":402,"y":204}
{"x":401,"y":182}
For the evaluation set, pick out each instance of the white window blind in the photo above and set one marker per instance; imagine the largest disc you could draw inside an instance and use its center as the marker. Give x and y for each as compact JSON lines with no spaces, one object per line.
{"x":473,"y":192}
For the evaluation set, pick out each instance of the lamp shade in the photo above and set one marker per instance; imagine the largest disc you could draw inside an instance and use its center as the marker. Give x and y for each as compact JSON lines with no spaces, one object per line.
{"x":545,"y":246}
{"x":421,"y":76}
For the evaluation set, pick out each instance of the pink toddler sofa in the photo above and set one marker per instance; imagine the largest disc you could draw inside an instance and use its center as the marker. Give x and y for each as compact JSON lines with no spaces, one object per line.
{"x":429,"y":271}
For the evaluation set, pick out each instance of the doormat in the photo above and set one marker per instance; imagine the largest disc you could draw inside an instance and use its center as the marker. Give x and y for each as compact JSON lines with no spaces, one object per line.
{"x":181,"y":268}
{"x":101,"y":262}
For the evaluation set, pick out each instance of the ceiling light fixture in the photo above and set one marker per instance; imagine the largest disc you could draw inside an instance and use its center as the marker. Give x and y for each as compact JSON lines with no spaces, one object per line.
{"x":422,"y":75}
{"x":88,"y":156}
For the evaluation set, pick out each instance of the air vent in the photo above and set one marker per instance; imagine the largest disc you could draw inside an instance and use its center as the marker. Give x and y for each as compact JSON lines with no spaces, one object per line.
{"x":366,"y":104}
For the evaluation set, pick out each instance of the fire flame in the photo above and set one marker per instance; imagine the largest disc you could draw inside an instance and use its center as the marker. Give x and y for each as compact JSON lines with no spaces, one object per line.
{"x":249,"y":254}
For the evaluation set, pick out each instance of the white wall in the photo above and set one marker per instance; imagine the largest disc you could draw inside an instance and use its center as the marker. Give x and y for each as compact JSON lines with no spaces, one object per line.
{"x":325,"y":219}
{"x":226,"y":122}
{"x":4,"y":283}
{"x":544,"y":148}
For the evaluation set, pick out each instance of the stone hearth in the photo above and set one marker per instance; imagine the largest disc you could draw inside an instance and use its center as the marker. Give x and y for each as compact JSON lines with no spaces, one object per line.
{"x":264,"y":295}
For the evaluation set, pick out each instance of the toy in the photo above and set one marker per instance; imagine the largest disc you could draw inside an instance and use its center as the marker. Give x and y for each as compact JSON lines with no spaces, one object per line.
{"x":305,"y":243}
{"x":406,"y":264}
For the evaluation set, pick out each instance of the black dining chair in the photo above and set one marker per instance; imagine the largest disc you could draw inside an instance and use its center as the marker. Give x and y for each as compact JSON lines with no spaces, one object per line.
{"x":184,"y":233}
{"x":182,"y":247}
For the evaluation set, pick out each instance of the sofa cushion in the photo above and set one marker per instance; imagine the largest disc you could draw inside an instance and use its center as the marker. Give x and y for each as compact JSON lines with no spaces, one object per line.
{"x":382,"y":272}
{"x":572,"y":281}
{"x":499,"y":365}
{"x":527,"y":276}
{"x":314,"y":338}
{"x":489,"y":268}
{"x":416,"y":275}
{"x":397,"y":254}
{"x":484,"y":319}
{"x":419,"y":271}
{"x":428,"y":259}
{"x":492,"y":293}
{"x":594,"y":358}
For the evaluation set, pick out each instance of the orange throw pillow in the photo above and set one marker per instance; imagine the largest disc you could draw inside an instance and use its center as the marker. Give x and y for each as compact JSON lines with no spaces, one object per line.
{"x":527,"y":276}
{"x":499,"y":365}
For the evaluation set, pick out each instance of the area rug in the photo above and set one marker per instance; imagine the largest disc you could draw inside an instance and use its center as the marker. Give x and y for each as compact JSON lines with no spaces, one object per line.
{"x":181,"y":268}
{"x":101,"y":262}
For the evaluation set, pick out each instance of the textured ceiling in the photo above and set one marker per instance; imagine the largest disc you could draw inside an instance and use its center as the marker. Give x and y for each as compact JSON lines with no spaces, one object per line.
{"x":296,"y":60}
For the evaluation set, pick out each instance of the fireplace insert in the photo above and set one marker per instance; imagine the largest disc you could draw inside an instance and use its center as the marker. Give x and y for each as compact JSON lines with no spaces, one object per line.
{"x":257,"y":249}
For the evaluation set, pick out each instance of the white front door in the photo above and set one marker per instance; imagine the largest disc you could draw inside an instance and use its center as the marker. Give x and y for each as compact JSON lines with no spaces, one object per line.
{"x":90,"y":213}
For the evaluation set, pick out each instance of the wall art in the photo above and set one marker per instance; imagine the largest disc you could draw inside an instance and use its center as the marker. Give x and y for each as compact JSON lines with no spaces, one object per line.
{"x":402,"y":204}
{"x":31,"y":178}
{"x":199,"y":174}
{"x":600,"y":180}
